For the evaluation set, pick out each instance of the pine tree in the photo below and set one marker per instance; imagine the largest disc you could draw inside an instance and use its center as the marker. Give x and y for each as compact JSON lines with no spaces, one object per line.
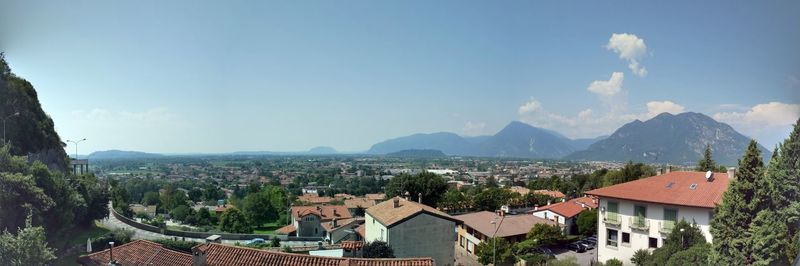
{"x":738,"y":209}
{"x":707,"y":163}
{"x":783,"y":174}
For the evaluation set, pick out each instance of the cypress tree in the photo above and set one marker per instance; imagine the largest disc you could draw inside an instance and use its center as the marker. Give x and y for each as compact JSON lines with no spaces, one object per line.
{"x":783,"y":174}
{"x":707,"y":163}
{"x":739,"y":207}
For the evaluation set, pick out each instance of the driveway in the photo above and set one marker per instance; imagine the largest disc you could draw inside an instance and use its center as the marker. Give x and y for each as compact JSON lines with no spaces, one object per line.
{"x":585,"y":258}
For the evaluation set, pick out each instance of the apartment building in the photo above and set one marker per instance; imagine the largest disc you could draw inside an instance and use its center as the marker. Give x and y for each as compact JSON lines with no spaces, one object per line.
{"x":641,"y":213}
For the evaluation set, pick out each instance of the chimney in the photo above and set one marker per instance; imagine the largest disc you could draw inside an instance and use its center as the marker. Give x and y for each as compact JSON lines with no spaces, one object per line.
{"x":535,"y":207}
{"x":333,"y":223}
{"x":583,"y":205}
{"x":732,"y":172}
{"x":111,"y":253}
{"x":563,"y":199}
{"x":199,"y":257}
{"x":548,"y":202}
{"x":419,"y":199}
{"x":407,"y":195}
{"x":335,"y":214}
{"x":396,"y":202}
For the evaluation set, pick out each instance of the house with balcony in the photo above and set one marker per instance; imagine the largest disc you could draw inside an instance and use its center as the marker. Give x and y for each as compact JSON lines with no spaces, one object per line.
{"x":641,"y":213}
{"x":566,"y":212}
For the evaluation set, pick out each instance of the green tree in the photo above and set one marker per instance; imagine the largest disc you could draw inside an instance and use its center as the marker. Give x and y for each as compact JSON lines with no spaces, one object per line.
{"x":454,"y":200}
{"x":432,"y":187}
{"x":707,"y":163}
{"x":546,"y":234}
{"x":491,"y":199}
{"x":587,"y":222}
{"x":641,"y":257}
{"x":613,"y":262}
{"x":495,"y":249}
{"x":233,"y":221}
{"x":739,"y":206}
{"x":682,"y":237}
{"x":180,"y":213}
{"x":783,"y":175}
{"x":695,"y":255}
{"x":377,"y":249}
{"x":151,"y":198}
{"x":27,"y":247}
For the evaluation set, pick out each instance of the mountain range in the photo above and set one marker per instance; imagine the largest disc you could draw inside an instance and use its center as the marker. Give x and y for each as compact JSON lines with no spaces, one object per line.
{"x":517,"y":139}
{"x":666,"y":138}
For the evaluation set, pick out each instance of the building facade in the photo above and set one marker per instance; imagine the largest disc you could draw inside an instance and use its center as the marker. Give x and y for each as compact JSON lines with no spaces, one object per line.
{"x":412,"y":230}
{"x":640,"y":214}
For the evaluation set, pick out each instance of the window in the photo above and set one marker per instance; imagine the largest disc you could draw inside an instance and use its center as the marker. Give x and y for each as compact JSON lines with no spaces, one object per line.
{"x":611,"y":237}
{"x":639,"y":213}
{"x":381,"y":234}
{"x":613,"y":208}
{"x":670,"y":216}
{"x":461,"y":241}
{"x":316,"y":230}
{"x":626,"y":238}
{"x":653,"y":242}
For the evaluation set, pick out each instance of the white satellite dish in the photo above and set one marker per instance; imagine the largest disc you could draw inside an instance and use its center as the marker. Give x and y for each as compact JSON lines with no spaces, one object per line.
{"x":708,"y":175}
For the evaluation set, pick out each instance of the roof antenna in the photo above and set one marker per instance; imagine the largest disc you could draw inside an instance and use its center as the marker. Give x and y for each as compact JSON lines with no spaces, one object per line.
{"x":709,"y":174}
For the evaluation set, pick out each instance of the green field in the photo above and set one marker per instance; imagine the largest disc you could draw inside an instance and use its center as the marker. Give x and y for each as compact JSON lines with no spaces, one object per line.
{"x":267,"y":228}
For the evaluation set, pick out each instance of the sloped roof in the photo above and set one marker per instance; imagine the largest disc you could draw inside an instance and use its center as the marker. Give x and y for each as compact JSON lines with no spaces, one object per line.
{"x":339,"y":224}
{"x":359,"y":202}
{"x":325,"y":212}
{"x":571,"y":207}
{"x":286,"y":230}
{"x":362,"y":230}
{"x":509,"y":225}
{"x":672,"y":188}
{"x":138,"y":252}
{"x":224,"y":255}
{"x":388,"y":215}
{"x":551,"y":193}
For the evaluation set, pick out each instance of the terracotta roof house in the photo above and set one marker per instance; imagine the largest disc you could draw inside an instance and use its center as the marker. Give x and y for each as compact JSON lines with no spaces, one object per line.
{"x":307,"y":221}
{"x":355,"y":203}
{"x":376,"y":196}
{"x":478,"y":227}
{"x":520,"y":190}
{"x":137,"y":252}
{"x":223,"y":255}
{"x":639,"y":214}
{"x":412,"y":229}
{"x":566,"y":212}
{"x":311,"y":198}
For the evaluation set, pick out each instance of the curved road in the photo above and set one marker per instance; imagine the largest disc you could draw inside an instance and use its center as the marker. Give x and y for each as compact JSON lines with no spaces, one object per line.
{"x":112,"y":222}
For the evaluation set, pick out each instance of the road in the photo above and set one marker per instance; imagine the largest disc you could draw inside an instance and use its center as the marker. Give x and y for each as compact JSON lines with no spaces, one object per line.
{"x":112,"y":222}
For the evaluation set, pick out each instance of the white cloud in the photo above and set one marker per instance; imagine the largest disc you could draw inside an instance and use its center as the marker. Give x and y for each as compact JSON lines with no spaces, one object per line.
{"x":608,"y":88}
{"x":474,"y":128}
{"x":585,"y":114}
{"x":631,"y":48}
{"x":770,"y":122}
{"x":655,"y":108}
{"x":530,"y":107}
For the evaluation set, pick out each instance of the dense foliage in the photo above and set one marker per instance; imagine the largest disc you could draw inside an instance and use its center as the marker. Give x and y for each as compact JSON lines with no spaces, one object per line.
{"x":377,"y":249}
{"x":27,"y":247}
{"x":430,"y":186}
{"x":495,"y":250}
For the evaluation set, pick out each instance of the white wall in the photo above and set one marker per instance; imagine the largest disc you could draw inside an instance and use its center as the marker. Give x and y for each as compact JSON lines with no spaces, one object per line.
{"x":372,"y":229}
{"x":639,"y":239}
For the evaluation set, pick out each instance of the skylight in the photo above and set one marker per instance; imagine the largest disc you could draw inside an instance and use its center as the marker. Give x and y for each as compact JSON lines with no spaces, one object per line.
{"x":670,"y":184}
{"x":693,"y":186}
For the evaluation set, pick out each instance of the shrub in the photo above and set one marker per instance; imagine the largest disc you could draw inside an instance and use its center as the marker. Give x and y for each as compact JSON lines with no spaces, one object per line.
{"x":613,"y":262}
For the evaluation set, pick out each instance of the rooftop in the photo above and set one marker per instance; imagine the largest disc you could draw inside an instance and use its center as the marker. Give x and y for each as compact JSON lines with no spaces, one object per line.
{"x":388,"y":215}
{"x":138,"y":252}
{"x":325,"y":212}
{"x":682,"y":188}
{"x":223,"y":255}
{"x":508,"y":225}
{"x":571,"y":207}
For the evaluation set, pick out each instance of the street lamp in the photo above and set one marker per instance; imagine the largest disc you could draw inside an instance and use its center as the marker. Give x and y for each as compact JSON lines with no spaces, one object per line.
{"x":76,"y":146}
{"x":4,"y":124}
{"x":683,"y":245}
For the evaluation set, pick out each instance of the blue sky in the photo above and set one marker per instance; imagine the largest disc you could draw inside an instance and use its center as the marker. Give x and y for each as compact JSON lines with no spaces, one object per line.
{"x":211,"y":76}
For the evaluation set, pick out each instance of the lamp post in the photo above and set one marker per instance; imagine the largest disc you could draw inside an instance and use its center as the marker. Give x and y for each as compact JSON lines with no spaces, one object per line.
{"x":4,"y":124}
{"x":683,"y":245}
{"x":76,"y":146}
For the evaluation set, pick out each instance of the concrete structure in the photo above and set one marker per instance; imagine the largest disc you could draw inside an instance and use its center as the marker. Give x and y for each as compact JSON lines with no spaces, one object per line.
{"x":413,"y":230}
{"x":149,"y":210}
{"x":79,"y":166}
{"x":640,"y":214}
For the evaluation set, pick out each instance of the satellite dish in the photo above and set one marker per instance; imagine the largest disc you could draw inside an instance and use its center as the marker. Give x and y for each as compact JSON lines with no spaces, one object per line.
{"x":708,"y":175}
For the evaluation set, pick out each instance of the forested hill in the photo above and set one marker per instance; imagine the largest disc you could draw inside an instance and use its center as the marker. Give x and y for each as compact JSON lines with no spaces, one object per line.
{"x":31,"y":132}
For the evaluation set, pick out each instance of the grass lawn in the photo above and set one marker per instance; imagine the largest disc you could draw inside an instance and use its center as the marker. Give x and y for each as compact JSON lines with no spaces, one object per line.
{"x":76,"y":236}
{"x":267,"y":228}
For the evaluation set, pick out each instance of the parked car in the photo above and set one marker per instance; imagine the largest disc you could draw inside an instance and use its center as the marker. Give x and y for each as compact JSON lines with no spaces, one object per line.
{"x":577,"y":247}
{"x":586,"y":244}
{"x":591,"y":241}
{"x":545,"y":251}
{"x":255,"y":241}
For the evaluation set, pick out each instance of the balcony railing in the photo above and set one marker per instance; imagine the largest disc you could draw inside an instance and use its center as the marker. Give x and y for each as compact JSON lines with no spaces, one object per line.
{"x":611,"y":218}
{"x":639,"y":223}
{"x":666,"y":227}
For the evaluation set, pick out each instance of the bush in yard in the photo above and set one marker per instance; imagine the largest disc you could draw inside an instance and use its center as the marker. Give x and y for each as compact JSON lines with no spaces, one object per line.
{"x":378,"y":249}
{"x":641,"y":257}
{"x":613,"y":262}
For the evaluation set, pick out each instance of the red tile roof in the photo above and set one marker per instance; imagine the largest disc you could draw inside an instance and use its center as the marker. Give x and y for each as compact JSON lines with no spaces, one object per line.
{"x":567,"y":209}
{"x":362,"y":230}
{"x":224,"y":255}
{"x":389,"y":215}
{"x":286,"y":230}
{"x":328,"y":226}
{"x":352,"y":245}
{"x":509,"y":225}
{"x":672,"y":188}
{"x":325,"y":212}
{"x":138,"y":252}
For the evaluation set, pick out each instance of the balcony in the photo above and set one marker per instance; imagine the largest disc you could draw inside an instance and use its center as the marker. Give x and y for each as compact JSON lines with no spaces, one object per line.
{"x":639,"y":223}
{"x":666,"y":227}
{"x":611,"y":219}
